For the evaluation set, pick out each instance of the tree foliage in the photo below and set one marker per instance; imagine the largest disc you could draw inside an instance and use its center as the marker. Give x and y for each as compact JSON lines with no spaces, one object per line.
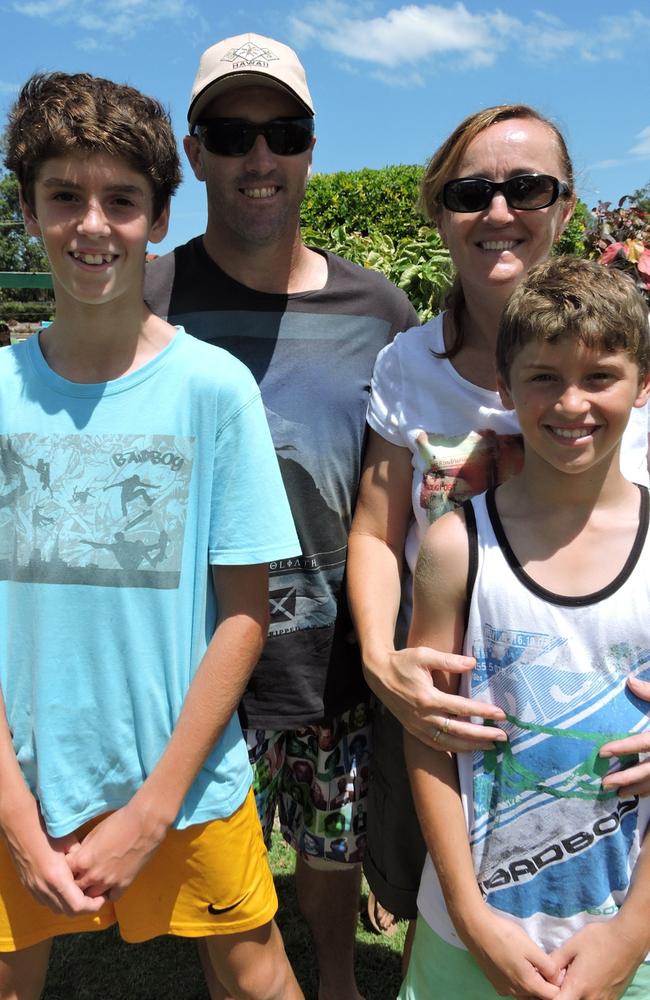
{"x":18,"y":251}
{"x":420,"y":264}
{"x":641,"y":198}
{"x":365,"y":201}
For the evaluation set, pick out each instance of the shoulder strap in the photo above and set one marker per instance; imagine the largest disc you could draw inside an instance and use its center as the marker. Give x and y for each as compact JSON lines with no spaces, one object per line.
{"x":472,"y":563}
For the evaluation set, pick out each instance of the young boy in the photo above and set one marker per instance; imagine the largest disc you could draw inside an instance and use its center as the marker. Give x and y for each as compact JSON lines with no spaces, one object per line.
{"x":140,"y":501}
{"x":527,"y":889}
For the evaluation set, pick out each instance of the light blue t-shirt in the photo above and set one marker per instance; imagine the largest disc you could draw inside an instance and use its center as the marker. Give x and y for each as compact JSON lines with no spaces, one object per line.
{"x":115,"y":498}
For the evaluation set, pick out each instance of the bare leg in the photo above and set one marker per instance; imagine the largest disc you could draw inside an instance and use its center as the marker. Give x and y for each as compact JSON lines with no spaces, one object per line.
{"x":329,"y":902}
{"x":22,"y":973}
{"x":408,"y":945}
{"x":216,"y":989}
{"x":249,"y":966}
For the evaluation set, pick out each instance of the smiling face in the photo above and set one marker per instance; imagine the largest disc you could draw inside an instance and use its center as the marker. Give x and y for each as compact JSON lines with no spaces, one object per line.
{"x":94,"y":214}
{"x":253,"y":199}
{"x":493,"y":249}
{"x":573,"y":402}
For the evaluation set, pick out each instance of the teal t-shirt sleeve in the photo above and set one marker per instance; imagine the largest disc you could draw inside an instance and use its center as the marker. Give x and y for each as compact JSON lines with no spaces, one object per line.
{"x":251,"y":519}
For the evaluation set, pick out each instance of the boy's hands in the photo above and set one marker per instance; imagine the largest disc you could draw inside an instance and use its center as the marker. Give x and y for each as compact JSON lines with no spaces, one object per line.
{"x":41,"y":862}
{"x":600,"y":961}
{"x":111,"y":855}
{"x":512,"y":962}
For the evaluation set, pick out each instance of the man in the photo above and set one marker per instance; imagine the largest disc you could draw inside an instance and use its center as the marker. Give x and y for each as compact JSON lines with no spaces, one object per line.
{"x":309,"y":325}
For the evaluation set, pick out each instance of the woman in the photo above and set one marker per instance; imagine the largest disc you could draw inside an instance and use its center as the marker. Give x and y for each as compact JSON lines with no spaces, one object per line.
{"x":501,"y":191}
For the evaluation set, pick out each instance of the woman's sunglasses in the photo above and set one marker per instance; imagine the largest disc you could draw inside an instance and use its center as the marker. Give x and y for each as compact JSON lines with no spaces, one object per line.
{"x":526,"y":192}
{"x":236,"y":137}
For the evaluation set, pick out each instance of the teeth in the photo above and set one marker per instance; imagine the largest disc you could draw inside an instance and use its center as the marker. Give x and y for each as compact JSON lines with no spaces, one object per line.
{"x":260,"y":192}
{"x":94,"y":258}
{"x":565,"y":432}
{"x":498,"y":244}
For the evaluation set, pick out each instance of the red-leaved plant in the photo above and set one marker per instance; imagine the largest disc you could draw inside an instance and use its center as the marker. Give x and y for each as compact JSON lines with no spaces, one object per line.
{"x":620,"y":237}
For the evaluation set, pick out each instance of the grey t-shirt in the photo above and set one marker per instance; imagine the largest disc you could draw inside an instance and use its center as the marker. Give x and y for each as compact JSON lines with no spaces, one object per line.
{"x":312,"y":355}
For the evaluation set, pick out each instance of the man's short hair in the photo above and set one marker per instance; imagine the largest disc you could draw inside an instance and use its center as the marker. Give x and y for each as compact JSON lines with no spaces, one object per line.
{"x":567,"y":297}
{"x":58,"y":114}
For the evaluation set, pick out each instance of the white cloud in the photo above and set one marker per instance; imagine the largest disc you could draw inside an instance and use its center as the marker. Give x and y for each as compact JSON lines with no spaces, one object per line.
{"x":101,"y":23}
{"x":606,"y":164}
{"x":406,"y":34}
{"x":642,"y":147}
{"x":415,"y":34}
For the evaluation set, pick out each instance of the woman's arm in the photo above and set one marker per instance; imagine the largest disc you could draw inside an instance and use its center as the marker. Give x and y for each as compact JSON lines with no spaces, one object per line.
{"x":401,"y":679}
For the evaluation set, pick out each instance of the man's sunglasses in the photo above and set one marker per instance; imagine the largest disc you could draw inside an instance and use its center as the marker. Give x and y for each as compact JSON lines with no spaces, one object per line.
{"x":236,"y":137}
{"x":526,"y":192}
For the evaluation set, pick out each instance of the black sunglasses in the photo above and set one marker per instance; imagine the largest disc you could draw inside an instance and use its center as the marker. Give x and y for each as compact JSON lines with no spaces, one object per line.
{"x":526,"y":192}
{"x":236,"y":137}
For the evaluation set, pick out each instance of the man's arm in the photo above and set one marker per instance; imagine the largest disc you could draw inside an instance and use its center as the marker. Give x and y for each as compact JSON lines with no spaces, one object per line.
{"x":510,"y":960}
{"x":39,"y":858}
{"x":113,"y":853}
{"x":401,"y":679}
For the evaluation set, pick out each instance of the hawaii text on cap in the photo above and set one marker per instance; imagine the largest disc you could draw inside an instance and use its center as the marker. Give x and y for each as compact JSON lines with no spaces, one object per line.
{"x":243,"y":61}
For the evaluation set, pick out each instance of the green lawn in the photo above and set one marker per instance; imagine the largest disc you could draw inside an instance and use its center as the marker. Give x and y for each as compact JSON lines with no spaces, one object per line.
{"x":101,"y":967}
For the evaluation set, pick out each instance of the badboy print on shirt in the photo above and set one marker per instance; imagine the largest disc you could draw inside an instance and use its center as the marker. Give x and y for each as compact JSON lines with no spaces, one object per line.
{"x":99,"y":510}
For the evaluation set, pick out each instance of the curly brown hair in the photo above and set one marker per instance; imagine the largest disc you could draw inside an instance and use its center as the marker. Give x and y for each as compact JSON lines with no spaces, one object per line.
{"x":59,"y":113}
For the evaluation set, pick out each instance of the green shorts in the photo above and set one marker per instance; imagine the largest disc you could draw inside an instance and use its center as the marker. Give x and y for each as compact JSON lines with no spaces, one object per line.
{"x":438,"y":971}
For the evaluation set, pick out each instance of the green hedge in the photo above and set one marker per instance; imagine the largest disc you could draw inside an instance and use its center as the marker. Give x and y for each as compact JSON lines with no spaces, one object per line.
{"x":26,"y":312}
{"x":420,"y":264}
{"x":365,"y":200}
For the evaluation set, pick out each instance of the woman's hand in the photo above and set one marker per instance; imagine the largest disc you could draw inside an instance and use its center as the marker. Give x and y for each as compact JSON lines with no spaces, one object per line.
{"x":403,"y":681}
{"x":633,"y":780}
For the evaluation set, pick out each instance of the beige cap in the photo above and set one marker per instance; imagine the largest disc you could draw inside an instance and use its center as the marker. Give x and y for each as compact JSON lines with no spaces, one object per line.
{"x":246,"y":60}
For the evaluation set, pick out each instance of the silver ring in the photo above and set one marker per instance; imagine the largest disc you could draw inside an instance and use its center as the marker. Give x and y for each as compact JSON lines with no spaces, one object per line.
{"x":437,"y":733}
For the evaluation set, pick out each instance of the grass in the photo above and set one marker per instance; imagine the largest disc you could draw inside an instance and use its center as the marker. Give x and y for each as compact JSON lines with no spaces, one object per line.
{"x":102,"y":967}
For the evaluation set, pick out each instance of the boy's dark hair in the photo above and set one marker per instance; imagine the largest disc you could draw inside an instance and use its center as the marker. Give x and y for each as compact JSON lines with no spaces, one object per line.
{"x":59,"y":113}
{"x":579,"y":299}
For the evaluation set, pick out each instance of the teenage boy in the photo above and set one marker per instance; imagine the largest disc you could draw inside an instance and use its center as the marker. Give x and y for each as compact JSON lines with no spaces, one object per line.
{"x":527,"y":889}
{"x":133,"y":584}
{"x":309,"y":326}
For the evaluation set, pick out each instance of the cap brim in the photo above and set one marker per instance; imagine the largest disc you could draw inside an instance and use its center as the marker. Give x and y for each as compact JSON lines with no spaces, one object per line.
{"x":235,"y":80}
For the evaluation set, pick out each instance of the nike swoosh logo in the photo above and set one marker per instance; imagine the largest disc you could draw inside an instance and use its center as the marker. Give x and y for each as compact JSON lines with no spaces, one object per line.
{"x":224,"y":909}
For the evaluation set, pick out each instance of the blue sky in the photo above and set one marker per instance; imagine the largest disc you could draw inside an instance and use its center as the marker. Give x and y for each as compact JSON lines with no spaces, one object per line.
{"x":389,"y":80}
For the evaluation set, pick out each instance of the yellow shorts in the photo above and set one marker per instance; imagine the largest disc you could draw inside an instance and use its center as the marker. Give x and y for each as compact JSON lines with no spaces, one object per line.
{"x":212,"y":878}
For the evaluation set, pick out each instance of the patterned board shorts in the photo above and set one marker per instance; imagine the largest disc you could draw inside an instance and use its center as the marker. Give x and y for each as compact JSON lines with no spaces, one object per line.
{"x":318,"y":776}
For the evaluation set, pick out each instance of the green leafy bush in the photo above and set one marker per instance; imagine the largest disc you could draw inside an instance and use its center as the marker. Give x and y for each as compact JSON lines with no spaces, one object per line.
{"x":364,"y":201}
{"x":26,"y":312}
{"x":419,"y":264}
{"x":572,"y":240}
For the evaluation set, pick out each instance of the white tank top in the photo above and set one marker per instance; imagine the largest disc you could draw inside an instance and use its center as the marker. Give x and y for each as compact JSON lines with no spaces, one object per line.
{"x":551,"y":849}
